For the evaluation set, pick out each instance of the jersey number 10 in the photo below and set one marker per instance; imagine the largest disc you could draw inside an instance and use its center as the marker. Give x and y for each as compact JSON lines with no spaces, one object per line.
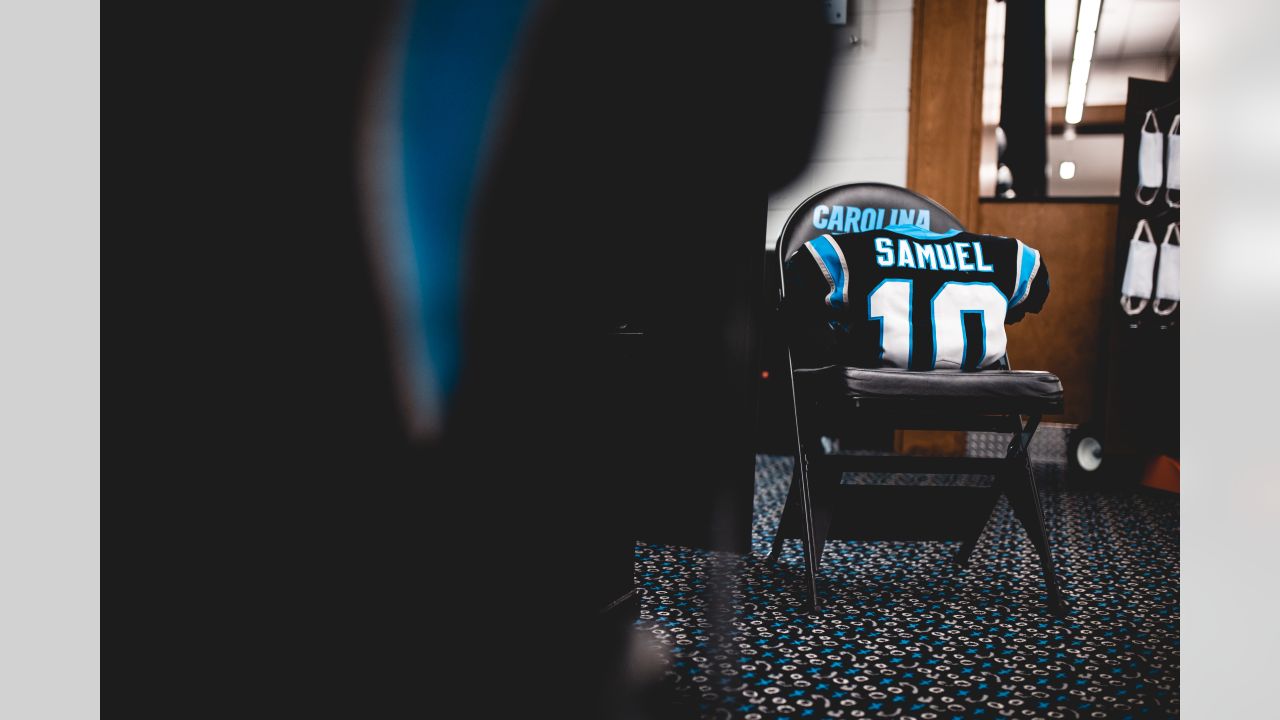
{"x":978,"y":305}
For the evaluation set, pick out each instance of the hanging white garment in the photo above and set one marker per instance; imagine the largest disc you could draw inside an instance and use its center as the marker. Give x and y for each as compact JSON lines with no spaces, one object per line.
{"x":1150,"y":158}
{"x":1173,"y":170}
{"x":1139,"y":269}
{"x":1168,"y":280}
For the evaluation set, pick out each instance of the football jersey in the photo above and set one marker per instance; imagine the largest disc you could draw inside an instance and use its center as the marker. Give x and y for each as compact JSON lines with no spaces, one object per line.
{"x":906,"y":297}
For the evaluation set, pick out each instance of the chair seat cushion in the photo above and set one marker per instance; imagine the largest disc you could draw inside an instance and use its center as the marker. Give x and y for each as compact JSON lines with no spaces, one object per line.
{"x":984,"y":391}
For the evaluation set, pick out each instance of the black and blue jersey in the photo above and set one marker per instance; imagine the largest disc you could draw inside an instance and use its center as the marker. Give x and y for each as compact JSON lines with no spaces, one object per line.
{"x":906,"y":297}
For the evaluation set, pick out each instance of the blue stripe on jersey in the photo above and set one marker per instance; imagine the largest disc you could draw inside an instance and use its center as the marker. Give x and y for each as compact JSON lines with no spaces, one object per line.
{"x":1028,"y":262}
{"x":835,"y":270}
{"x":920,"y":233}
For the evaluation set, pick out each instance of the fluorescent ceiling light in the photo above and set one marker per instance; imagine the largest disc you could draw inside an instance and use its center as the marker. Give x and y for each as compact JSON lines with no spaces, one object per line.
{"x":1087,"y":20}
{"x":1075,"y":108}
{"x":1067,"y":170}
{"x":1084,"y":46}
{"x":1081,"y":58}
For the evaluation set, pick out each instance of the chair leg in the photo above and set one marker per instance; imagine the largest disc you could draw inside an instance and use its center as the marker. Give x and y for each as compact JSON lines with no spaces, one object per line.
{"x":992,"y":494}
{"x":811,"y":552}
{"x":1025,"y":498}
{"x":814,"y":515}
{"x":1035,"y":525}
{"x":824,"y":482}
{"x":788,"y":512}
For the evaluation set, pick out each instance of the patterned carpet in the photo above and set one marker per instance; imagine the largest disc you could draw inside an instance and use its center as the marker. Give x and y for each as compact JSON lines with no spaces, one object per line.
{"x":905,"y":634}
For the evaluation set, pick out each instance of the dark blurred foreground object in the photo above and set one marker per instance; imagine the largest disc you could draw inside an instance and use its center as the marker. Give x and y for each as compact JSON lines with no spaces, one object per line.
{"x":611,"y":285}
{"x":615,"y":260}
{"x":627,"y":159}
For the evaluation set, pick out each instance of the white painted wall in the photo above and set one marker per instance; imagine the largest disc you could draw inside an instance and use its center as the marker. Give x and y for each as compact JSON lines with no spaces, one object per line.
{"x":863,"y":130}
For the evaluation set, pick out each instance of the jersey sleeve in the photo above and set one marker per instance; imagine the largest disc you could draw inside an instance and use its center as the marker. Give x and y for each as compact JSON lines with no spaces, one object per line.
{"x":816,"y":328}
{"x":1031,"y":287}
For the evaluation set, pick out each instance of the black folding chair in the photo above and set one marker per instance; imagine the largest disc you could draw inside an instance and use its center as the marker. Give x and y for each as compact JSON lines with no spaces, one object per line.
{"x":837,"y":400}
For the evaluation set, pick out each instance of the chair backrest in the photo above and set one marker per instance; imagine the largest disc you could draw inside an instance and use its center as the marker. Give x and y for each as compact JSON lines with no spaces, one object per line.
{"x":859,"y":206}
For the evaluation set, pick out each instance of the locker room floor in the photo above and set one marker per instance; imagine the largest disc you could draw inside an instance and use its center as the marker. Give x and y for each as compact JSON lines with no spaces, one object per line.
{"x":904,"y":634}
